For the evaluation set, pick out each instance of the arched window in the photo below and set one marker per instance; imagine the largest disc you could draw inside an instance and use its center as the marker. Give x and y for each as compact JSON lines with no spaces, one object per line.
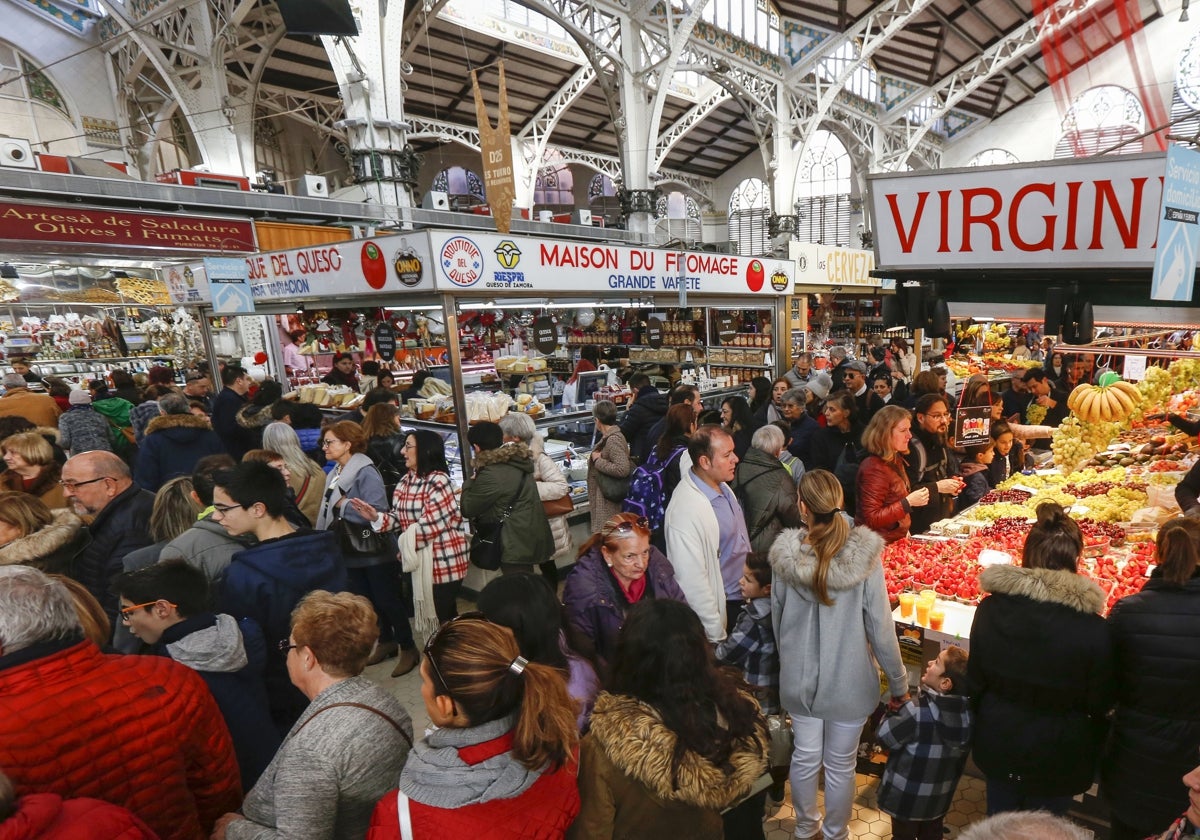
{"x":749,"y":211}
{"x":1099,"y":119}
{"x":756,"y":22}
{"x":1185,"y":104}
{"x":555,"y":187}
{"x":33,"y":108}
{"x":823,"y":191}
{"x":677,"y":216}
{"x":863,"y":81}
{"x":464,"y":187}
{"x":993,"y":157}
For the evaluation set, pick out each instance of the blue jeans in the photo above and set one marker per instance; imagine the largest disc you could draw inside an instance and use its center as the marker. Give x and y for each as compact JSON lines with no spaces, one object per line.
{"x":1003,"y":796}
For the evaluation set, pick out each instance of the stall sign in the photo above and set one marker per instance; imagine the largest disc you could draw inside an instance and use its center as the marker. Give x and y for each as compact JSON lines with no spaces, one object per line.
{"x":489,"y":264}
{"x":385,"y":341}
{"x":1098,"y":213}
{"x":89,"y":229}
{"x":545,"y":335}
{"x":823,"y":265}
{"x":353,"y":268}
{"x":654,"y":332}
{"x":972,"y":425}
{"x":1178,"y":227}
{"x":230,"y":286}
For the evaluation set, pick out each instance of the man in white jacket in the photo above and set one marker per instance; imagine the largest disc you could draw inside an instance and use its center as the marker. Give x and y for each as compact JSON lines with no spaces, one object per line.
{"x":707,"y":542}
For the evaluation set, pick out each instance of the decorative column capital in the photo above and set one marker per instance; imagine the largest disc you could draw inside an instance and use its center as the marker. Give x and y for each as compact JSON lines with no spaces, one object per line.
{"x":637,"y":201}
{"x":779,"y":224}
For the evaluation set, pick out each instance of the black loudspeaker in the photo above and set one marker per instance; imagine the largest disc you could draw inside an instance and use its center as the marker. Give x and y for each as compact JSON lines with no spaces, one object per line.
{"x":1079,"y":327}
{"x":939,"y":319}
{"x":914,"y":307}
{"x":892,"y":310}
{"x":317,"y":17}
{"x":1056,"y":304}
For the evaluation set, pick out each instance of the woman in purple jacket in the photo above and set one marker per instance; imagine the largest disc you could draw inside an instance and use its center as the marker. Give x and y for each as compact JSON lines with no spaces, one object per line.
{"x":616,"y":568}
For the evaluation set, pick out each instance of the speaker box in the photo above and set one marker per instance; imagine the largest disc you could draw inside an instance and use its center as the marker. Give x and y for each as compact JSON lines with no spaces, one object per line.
{"x":914,"y":307}
{"x":313,"y":186}
{"x":1056,"y":304}
{"x":584,"y":216}
{"x":892,"y":310}
{"x":1079,"y":327}
{"x":16,"y":153}
{"x":939,"y":319}
{"x":435,"y":200}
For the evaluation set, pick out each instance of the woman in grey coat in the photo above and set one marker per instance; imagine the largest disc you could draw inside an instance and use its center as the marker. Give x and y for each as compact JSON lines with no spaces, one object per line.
{"x":611,"y":457}
{"x":833,"y":622}
{"x":349,"y":745}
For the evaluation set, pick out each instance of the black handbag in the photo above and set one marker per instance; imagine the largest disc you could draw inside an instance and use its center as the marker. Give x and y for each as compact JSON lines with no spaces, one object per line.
{"x":612,"y":488}
{"x":487,"y":549}
{"x":359,"y":539}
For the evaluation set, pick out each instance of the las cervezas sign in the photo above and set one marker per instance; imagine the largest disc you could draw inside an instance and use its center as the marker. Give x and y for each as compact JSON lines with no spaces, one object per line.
{"x":91,"y":228}
{"x":1100,"y":212}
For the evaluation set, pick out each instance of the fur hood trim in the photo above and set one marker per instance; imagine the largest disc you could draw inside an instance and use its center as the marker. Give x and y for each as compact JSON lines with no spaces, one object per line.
{"x":638,"y":743}
{"x":251,"y":416}
{"x":63,"y":529}
{"x":510,"y":453}
{"x":794,"y":562}
{"x":1064,"y":588}
{"x":177,"y":421}
{"x":42,"y":484}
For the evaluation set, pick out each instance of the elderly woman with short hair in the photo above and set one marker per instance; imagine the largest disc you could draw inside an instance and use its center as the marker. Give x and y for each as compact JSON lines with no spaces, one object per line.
{"x":348,"y":747}
{"x":766,"y":489}
{"x":32,"y":468}
{"x":610,"y":456}
{"x":551,"y":484}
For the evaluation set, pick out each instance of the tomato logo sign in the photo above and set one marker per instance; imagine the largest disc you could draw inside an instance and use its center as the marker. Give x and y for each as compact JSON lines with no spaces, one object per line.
{"x":755,"y":275}
{"x":374,"y":266}
{"x":461,"y":261}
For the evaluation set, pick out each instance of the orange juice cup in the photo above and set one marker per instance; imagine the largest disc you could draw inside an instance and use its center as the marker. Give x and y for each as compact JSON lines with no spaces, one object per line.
{"x":931,"y":594}
{"x":907,"y":601}
{"x":937,"y":617}
{"x":924,"y":605}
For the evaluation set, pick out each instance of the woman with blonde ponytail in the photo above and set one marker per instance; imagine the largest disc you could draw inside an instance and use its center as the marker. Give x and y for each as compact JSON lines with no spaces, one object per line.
{"x":502,"y":760}
{"x":833,"y":623}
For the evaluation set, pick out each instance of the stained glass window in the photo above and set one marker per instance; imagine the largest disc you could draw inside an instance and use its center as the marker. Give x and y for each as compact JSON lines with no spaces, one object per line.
{"x":1099,"y":119}
{"x":749,"y":211}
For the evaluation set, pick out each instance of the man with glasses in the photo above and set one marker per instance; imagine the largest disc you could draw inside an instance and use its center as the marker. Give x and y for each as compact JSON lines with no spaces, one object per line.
{"x":931,"y":464}
{"x":266,"y":581}
{"x":99,"y":487}
{"x":141,"y":732}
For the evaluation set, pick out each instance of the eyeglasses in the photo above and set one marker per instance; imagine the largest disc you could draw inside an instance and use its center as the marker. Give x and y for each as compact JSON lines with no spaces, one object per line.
{"x":223,"y":509}
{"x":126,"y":612}
{"x":939,"y":416}
{"x":74,"y":485}
{"x":328,"y":442}
{"x":286,"y":647}
{"x":474,"y":615}
{"x":409,"y":446}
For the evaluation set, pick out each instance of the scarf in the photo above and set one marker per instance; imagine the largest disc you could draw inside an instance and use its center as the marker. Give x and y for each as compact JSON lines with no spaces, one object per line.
{"x":419,"y":561}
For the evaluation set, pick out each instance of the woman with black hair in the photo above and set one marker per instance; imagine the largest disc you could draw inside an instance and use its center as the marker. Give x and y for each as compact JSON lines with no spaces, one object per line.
{"x":425,"y":509}
{"x":837,"y":446}
{"x":760,"y":399}
{"x":526,"y":604}
{"x":256,"y":414}
{"x":674,"y":741}
{"x":737,"y":419}
{"x":1041,"y":672}
{"x":413,"y":391}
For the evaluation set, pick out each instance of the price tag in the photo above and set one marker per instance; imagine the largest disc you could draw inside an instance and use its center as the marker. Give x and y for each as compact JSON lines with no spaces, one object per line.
{"x":545,"y":335}
{"x":725,"y":329}
{"x":654,"y":332}
{"x":1135,"y":368}
{"x":385,"y":341}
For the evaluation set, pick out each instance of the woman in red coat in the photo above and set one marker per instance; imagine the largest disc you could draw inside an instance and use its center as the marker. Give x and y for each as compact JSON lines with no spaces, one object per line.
{"x":884,"y":500}
{"x":47,"y":816}
{"x":503,"y":761}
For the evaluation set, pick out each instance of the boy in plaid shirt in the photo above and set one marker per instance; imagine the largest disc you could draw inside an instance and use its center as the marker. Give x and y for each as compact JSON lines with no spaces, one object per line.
{"x":929,"y":738}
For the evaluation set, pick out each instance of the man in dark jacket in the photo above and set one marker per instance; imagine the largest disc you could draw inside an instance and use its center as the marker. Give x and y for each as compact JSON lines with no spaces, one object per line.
{"x":166,"y":606}
{"x":266,"y":581}
{"x":99,"y":485}
{"x":931,"y":464}
{"x":237,"y":439}
{"x":679,"y":395}
{"x":765,"y":489}
{"x":854,"y":376}
{"x":175,"y":441}
{"x":649,"y":406}
{"x":504,"y":479}
{"x":794,"y":404}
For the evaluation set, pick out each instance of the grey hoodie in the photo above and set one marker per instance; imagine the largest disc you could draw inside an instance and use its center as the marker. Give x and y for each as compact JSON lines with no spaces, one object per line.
{"x":217,"y":649}
{"x":828,"y":653}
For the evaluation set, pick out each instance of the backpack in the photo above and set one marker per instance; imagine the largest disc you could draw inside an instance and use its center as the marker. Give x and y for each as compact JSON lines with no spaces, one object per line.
{"x":646,"y":497}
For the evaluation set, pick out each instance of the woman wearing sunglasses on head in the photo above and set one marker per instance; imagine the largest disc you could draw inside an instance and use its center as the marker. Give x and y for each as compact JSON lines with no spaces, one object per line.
{"x":502,"y":761}
{"x":616,"y":569}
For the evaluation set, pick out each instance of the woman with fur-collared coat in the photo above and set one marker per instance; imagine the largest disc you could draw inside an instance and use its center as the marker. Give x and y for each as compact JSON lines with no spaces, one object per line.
{"x":174,"y":442}
{"x":1041,"y":672}
{"x":45,"y":539}
{"x":32,"y":468}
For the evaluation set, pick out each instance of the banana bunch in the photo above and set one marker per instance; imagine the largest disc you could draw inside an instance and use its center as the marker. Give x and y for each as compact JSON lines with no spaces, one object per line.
{"x":1104,"y":404}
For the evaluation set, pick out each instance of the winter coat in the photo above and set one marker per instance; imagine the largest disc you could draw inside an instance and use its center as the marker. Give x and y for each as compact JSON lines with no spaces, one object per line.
{"x":47,"y":816}
{"x":800,"y":439}
{"x":828,"y":653}
{"x":207,"y":546}
{"x":254,"y":418}
{"x":627,"y":786}
{"x":308,"y":489}
{"x":120,"y":527}
{"x":751,"y":647}
{"x":83,"y":429}
{"x":265,"y":582}
{"x":429,"y":503}
{"x":1156,"y":661}
{"x":52,"y":549}
{"x":828,"y":445}
{"x":525,"y":537}
{"x":45,"y":485}
{"x":172,"y":446}
{"x":978,"y":483}
{"x":1041,"y":673}
{"x":358,"y":479}
{"x":647,"y":409}
{"x":38,"y":409}
{"x":140,"y":417}
{"x":596,"y":607}
{"x":928,"y":741}
{"x":694,"y":548}
{"x":880,"y":502}
{"x":331,"y":769}
{"x":767,"y":495}
{"x":236,"y":439}
{"x":465,"y":783}
{"x":551,"y":485}
{"x":230,"y":657}
{"x":929,"y":460}
{"x":116,"y":412}
{"x":387,"y":453}
{"x":140,"y":731}
{"x":614,"y":461}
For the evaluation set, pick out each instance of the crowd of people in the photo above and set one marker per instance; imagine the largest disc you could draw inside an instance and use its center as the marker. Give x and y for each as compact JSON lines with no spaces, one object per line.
{"x":190,"y":593}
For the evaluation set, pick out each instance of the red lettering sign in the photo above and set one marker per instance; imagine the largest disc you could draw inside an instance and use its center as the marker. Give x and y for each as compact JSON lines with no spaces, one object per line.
{"x":90,"y":229}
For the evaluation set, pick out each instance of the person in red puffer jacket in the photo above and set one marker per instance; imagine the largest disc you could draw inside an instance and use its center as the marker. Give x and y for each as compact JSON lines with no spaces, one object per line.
{"x":47,"y":816}
{"x":502,"y":764}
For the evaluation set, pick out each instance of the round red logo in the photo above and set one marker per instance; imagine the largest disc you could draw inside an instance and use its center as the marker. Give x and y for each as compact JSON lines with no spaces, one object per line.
{"x":756,"y":275}
{"x":374,"y":266}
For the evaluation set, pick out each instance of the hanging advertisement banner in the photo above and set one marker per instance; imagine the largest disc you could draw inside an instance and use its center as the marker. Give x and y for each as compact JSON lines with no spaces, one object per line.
{"x":825,"y":265}
{"x":1178,"y":227}
{"x":230,"y":285}
{"x":495,"y":145}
